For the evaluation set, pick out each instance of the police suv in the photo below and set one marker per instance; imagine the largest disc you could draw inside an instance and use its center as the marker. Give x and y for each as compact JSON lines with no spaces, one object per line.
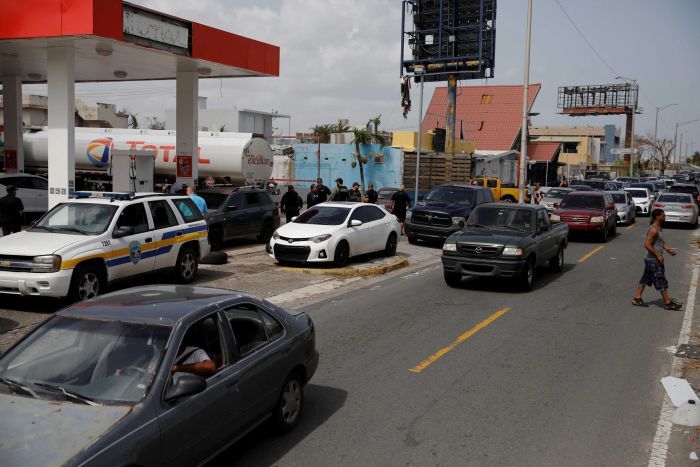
{"x":82,"y":245}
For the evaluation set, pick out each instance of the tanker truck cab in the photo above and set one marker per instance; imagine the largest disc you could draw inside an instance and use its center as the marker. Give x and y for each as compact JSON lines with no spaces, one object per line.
{"x":83,"y":245}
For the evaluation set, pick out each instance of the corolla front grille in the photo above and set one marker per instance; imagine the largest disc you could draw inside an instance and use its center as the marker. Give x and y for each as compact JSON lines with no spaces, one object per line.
{"x":287,"y":239}
{"x":480,"y":251}
{"x":291,"y":253}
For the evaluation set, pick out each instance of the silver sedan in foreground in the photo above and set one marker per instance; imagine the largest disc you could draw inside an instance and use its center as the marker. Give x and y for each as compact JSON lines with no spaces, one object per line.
{"x":158,"y":375}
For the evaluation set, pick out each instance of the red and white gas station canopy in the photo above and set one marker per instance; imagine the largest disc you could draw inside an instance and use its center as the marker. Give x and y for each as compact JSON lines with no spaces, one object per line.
{"x":118,"y":41}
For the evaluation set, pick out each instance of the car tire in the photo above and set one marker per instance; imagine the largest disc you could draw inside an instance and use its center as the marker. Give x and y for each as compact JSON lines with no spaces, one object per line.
{"x":604,"y":234}
{"x":508,"y":199}
{"x":556,"y":264}
{"x":412,"y":239}
{"x":216,"y":238}
{"x":265,"y":235}
{"x":452,"y":279}
{"x":342,"y":254}
{"x":86,"y":283}
{"x":391,"y":244}
{"x":527,"y":279}
{"x":289,"y":406}
{"x":187,"y":265}
{"x":613,"y":231}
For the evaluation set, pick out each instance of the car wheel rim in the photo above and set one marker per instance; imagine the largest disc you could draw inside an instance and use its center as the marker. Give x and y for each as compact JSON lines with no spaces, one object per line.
{"x":89,"y":286}
{"x":187,"y":266}
{"x":530,"y":273}
{"x":291,"y":401}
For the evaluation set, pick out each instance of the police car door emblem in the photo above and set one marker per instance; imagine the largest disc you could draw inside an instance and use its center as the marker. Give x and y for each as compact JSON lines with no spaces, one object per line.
{"x":135,"y":252}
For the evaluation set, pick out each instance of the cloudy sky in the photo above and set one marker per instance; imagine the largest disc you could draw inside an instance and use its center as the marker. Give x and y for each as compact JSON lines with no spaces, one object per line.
{"x":340,"y":59}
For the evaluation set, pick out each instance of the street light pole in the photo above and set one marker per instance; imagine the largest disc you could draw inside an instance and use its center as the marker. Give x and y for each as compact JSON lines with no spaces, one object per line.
{"x":656,"y":127}
{"x":523,"y":131}
{"x":676,"y":152}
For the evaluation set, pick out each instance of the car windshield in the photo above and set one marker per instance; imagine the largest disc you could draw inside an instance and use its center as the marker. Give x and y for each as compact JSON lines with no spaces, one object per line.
{"x":557,"y":193}
{"x":582,"y":202}
{"x":77,"y":218}
{"x":91,"y":360}
{"x":649,"y":186}
{"x":637,"y":193}
{"x":597,"y":184}
{"x":451,"y":195}
{"x":680,"y":198}
{"x":495,"y":217}
{"x":619,"y":198}
{"x":386,"y":194}
{"x":213,"y":200}
{"x":683,"y":189}
{"x":323,"y":215}
{"x":581,"y":188}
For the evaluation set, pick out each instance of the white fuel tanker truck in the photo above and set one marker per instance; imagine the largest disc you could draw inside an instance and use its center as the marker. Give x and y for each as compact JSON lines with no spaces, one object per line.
{"x":242,"y":156}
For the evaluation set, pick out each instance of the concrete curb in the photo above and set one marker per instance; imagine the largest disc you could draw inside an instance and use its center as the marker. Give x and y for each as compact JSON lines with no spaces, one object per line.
{"x":398,"y":263}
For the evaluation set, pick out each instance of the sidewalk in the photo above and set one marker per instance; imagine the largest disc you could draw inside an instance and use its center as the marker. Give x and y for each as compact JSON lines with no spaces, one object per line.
{"x":251,"y":270}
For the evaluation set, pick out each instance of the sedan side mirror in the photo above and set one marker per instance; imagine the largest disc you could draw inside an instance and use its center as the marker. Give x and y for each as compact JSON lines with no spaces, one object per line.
{"x":123,"y":231}
{"x":186,"y":385}
{"x":355,"y":223}
{"x":295,"y":218}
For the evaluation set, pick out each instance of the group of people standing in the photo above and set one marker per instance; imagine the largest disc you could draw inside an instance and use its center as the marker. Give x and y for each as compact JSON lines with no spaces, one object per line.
{"x":292,"y":203}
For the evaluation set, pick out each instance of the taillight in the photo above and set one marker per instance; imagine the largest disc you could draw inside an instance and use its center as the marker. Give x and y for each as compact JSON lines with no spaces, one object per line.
{"x":657,"y":205}
{"x":687,"y":206}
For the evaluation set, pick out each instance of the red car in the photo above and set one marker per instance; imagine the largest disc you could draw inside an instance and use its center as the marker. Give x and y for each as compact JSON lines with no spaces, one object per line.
{"x":588,"y":211}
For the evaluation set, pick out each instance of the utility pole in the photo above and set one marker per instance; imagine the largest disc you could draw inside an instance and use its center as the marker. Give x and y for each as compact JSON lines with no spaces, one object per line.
{"x":656,"y":127}
{"x":523,"y":131}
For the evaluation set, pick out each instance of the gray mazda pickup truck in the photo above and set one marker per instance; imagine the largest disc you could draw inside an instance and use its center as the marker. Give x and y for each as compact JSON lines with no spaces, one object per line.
{"x":505,"y":241}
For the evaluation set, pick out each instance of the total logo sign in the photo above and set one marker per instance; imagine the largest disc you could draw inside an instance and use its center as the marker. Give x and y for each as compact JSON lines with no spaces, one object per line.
{"x":98,"y":151}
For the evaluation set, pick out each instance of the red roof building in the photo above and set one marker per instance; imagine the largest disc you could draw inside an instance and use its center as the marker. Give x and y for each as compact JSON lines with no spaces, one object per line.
{"x":543,"y":152}
{"x":491,"y":116}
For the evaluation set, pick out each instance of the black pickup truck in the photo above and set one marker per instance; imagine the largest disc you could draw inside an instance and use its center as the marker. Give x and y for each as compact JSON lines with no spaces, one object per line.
{"x":507,"y":241}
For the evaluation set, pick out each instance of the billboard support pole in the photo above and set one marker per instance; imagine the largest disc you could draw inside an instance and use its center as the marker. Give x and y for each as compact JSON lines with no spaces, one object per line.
{"x":523,"y":132}
{"x":451,"y":114}
{"x":420,"y":135}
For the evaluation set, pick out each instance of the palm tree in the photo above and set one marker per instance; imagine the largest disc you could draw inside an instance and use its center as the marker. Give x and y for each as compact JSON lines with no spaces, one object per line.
{"x":323,"y":132}
{"x":340,"y":128}
{"x":362,"y":136}
{"x":373,"y":124}
{"x":133,"y":121}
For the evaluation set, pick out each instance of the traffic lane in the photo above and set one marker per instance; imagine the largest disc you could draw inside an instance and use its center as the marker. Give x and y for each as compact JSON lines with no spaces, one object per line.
{"x":505,"y":394}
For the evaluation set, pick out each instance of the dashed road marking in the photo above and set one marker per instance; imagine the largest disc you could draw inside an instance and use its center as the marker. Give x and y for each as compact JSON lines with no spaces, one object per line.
{"x":590,"y":253}
{"x":445,"y":350}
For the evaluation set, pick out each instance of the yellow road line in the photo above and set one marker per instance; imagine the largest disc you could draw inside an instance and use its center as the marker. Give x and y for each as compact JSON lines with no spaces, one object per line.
{"x":632,"y":226}
{"x":445,"y":350}
{"x":591,"y":253}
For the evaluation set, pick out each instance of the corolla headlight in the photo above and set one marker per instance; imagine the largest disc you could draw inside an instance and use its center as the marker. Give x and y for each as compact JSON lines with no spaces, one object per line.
{"x":449,"y":247}
{"x":458,"y":220}
{"x":320,"y":238}
{"x":46,"y":263}
{"x":512,"y":251}
{"x":275,"y":235}
{"x":597,"y":219}
{"x":409,"y":214}
{"x":555,"y":218}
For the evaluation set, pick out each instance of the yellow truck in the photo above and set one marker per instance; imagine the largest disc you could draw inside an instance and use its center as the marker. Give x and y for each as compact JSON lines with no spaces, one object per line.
{"x":508,"y":194}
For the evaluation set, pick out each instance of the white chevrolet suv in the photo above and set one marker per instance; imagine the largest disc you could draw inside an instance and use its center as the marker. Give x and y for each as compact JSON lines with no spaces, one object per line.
{"x":82,"y":245}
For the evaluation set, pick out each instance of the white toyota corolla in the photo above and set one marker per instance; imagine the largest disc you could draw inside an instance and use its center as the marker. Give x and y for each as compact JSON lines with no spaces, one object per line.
{"x":334,"y":232}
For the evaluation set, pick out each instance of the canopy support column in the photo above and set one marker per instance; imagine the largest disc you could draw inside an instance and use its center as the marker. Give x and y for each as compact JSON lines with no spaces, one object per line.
{"x":14,"y":124}
{"x":186,"y":141}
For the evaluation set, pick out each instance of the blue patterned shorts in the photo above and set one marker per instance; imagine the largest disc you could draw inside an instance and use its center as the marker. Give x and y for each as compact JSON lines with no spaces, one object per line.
{"x":654,"y":274}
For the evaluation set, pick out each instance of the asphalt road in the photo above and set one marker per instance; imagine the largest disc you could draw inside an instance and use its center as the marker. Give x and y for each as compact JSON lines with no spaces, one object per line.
{"x":415,"y":373}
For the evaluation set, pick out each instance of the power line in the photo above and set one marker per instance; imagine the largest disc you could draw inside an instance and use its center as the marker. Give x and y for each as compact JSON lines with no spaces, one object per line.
{"x":573,"y":23}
